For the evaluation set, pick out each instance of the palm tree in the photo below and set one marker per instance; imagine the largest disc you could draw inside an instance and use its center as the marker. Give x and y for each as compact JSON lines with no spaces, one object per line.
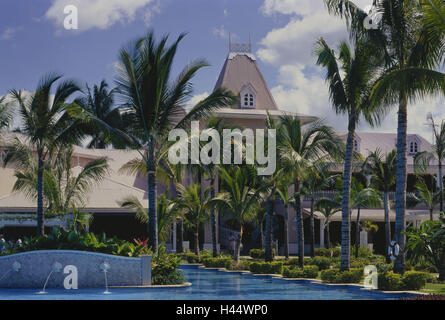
{"x":100,"y":102}
{"x":283,"y":193}
{"x":64,"y":187}
{"x":437,"y":154}
{"x":362,"y":197}
{"x":434,"y":20}
{"x":349,"y":95}
{"x":327,"y":207}
{"x":411,"y":57}
{"x":298,"y":149}
{"x":423,"y":195}
{"x":48,"y":126}
{"x":194,"y":207}
{"x":383,"y":168}
{"x":154,"y":105}
{"x":5,"y":115}
{"x":317,"y":178}
{"x":168,"y":211}
{"x":240,"y":197}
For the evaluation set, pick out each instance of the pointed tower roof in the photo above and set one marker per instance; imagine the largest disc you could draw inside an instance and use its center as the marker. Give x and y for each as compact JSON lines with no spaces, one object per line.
{"x":241,"y":71}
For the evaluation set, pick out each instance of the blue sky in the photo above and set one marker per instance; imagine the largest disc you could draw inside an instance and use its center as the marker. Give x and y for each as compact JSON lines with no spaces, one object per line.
{"x":34,"y":42}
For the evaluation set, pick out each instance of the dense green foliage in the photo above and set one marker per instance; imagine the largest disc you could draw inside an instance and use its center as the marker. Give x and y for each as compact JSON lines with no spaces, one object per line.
{"x":260,"y":253}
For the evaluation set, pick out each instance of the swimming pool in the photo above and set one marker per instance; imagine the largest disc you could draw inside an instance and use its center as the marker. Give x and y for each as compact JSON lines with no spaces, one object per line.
{"x":213,"y":285}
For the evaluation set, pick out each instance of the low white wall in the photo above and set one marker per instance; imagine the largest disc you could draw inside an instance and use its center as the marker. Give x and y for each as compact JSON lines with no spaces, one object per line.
{"x":35,"y":266}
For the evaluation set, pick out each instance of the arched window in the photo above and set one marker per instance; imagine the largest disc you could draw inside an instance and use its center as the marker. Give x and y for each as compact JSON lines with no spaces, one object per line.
{"x":413,"y":147}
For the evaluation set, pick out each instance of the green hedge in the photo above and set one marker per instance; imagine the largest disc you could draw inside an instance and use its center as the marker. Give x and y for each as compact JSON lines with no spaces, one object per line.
{"x":322,"y":263}
{"x":337,"y":276}
{"x":329,"y":253}
{"x":310,"y":272}
{"x":240,"y":265}
{"x":189,"y":257}
{"x":411,"y":280}
{"x":217,"y":262}
{"x":266,"y":267}
{"x":260,"y":253}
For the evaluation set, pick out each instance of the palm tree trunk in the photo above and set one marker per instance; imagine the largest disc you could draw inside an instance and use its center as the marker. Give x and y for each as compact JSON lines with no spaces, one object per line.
{"x":442,"y":268}
{"x":180,"y":236}
{"x":152,"y":215}
{"x":238,"y":244}
{"x":261,"y":236}
{"x":286,"y":231}
{"x":440,"y":185}
{"x":431,"y":214}
{"x":197,"y":240}
{"x":387,"y":225}
{"x":268,"y":242}
{"x":357,"y":233}
{"x":40,"y":214}
{"x":346,"y":191}
{"x":312,"y":228}
{"x":401,"y":180}
{"x":328,"y":244}
{"x":213,"y":220}
{"x":300,"y":228}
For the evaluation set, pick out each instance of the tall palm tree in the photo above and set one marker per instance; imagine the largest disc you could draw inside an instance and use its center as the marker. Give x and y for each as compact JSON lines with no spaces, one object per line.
{"x":194,"y":207}
{"x":154,"y":104}
{"x":240,"y":197}
{"x":100,"y":102}
{"x":48,"y":126}
{"x":362,"y":197}
{"x":349,"y":87}
{"x":412,"y":55}
{"x":64,"y":187}
{"x":286,"y":198}
{"x":327,"y":207}
{"x":317,"y":178}
{"x":436,"y":154}
{"x":383,"y":168}
{"x":434,"y":20}
{"x":298,"y":148}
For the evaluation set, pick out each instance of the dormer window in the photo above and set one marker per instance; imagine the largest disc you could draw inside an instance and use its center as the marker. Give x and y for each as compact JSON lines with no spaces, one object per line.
{"x":248,"y":97}
{"x":248,"y":100}
{"x":413,"y":147}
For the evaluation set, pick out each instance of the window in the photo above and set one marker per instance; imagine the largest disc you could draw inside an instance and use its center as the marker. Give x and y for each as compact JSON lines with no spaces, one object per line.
{"x":413,"y":147}
{"x":249,"y":100}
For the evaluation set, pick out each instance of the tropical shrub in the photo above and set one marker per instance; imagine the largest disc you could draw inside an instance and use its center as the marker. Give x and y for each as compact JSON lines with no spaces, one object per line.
{"x":329,"y":253}
{"x":322,"y":263}
{"x":165,"y":268}
{"x":217,"y":262}
{"x":363,"y":252}
{"x":260,"y":253}
{"x":310,"y":272}
{"x":240,"y":265}
{"x":291,"y":262}
{"x":390,"y":281}
{"x":266,"y":267}
{"x":329,"y":275}
{"x":414,"y":280}
{"x":337,"y":276}
{"x":189,"y":257}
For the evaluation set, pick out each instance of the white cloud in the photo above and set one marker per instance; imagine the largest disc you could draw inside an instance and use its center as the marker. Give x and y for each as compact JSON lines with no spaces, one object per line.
{"x":301,"y":87}
{"x":220,"y":32}
{"x":102,"y":14}
{"x":9,"y":33}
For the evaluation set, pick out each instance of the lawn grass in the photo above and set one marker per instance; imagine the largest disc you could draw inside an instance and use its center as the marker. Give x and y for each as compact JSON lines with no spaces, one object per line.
{"x":434,"y":288}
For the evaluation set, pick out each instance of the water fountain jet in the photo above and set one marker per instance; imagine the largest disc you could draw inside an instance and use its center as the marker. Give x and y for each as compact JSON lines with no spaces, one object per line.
{"x":104,"y":267}
{"x":56,"y":267}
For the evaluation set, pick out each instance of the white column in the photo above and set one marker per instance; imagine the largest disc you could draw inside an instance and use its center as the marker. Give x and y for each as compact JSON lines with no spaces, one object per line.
{"x":322,"y":222}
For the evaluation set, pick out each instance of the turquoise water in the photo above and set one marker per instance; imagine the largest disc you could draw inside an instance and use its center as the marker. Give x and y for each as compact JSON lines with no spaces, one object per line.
{"x":213,"y":285}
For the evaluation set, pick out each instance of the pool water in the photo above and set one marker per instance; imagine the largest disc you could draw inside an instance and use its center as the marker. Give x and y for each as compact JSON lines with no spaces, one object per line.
{"x":213,"y":285}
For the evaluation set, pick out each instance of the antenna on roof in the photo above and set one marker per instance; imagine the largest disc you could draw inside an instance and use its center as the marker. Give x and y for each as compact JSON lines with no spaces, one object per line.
{"x":230,"y":42}
{"x":250,"y":43}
